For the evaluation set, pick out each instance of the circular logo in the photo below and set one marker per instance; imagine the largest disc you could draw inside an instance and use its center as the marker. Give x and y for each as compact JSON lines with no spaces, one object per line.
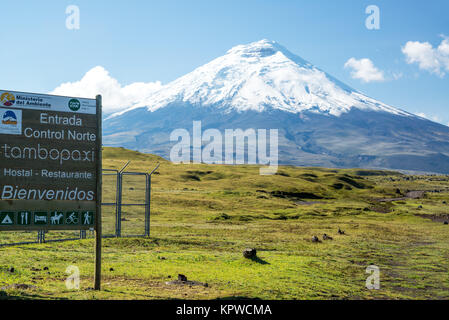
{"x":7,"y":99}
{"x":74,"y":104}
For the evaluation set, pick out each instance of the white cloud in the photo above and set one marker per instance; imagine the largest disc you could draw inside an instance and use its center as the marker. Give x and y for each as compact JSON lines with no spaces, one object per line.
{"x":115,"y":96}
{"x":429,"y":117}
{"x":364,"y":70}
{"x":434,"y":60}
{"x":421,"y":114}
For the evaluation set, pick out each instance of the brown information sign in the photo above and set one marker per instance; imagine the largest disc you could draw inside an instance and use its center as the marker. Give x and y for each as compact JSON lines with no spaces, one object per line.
{"x":49,"y":172}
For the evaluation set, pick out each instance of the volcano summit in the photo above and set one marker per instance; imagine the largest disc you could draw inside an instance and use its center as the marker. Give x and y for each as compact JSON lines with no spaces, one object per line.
{"x":321,"y":121}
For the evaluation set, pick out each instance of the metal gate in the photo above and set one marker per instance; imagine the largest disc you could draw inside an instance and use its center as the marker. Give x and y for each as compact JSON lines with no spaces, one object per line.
{"x":121,"y":205}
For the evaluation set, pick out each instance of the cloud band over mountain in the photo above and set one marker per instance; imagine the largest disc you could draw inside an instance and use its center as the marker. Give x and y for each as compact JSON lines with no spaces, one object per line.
{"x":115,"y":96}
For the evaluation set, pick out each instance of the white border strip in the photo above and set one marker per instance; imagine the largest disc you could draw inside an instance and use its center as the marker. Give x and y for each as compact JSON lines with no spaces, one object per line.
{"x":35,"y":101}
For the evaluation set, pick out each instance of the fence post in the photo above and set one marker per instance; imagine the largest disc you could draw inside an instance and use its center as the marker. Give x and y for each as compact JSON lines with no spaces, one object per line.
{"x":41,"y":236}
{"x":118,"y":231}
{"x":148,"y":202}
{"x":147,"y":205}
{"x":118,"y":221}
{"x":117,"y":182}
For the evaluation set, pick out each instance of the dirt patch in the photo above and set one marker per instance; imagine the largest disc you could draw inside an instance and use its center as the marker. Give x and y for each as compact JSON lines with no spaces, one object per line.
{"x":183,"y":281}
{"x":415,"y":194}
{"x":243,"y":218}
{"x":409,"y":195}
{"x":372,"y":173}
{"x":19,"y":286}
{"x":186,"y":283}
{"x":441,"y":218}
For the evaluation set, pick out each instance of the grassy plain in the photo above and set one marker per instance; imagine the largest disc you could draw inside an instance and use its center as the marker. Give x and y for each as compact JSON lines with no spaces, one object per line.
{"x":204,"y":216}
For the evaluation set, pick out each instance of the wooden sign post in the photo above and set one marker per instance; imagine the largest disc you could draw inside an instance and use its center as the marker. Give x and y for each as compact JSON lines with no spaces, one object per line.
{"x":50,"y":164}
{"x":98,"y":227}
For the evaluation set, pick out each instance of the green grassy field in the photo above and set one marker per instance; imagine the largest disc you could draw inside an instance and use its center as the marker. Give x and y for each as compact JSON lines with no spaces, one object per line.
{"x":204,"y":216}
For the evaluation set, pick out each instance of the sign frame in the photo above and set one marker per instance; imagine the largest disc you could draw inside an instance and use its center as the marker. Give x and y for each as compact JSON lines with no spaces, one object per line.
{"x":98,"y":225}
{"x":36,"y":206}
{"x":64,"y":209}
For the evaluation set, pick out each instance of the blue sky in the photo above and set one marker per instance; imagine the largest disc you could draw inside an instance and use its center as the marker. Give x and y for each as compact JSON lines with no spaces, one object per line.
{"x":147,"y":41}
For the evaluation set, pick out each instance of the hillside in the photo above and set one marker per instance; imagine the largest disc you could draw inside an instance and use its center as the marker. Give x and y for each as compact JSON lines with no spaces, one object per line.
{"x":321,"y":121}
{"x":204,"y":216}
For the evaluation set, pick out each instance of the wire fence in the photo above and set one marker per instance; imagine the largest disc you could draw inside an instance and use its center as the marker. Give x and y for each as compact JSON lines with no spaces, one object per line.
{"x":126,"y":211}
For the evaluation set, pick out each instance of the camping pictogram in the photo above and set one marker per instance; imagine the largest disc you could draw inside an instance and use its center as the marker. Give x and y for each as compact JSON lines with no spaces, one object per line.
{"x":6,"y":218}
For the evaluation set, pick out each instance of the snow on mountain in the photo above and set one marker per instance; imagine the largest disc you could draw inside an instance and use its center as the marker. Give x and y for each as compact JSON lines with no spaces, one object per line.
{"x":258,"y":76}
{"x":321,"y":121}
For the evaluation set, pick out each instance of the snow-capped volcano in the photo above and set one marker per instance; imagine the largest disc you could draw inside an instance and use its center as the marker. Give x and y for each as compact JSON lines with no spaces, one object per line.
{"x":321,"y":121}
{"x":263,"y":75}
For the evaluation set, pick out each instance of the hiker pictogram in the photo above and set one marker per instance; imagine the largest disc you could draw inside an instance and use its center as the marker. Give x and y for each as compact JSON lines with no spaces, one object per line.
{"x":88,"y":218}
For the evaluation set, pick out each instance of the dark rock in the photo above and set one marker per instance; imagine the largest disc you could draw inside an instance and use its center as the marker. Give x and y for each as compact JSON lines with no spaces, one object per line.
{"x":45,"y":268}
{"x":444,"y":202}
{"x":182,"y":277}
{"x":446,"y":222}
{"x":326,"y":237}
{"x":250,"y":253}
